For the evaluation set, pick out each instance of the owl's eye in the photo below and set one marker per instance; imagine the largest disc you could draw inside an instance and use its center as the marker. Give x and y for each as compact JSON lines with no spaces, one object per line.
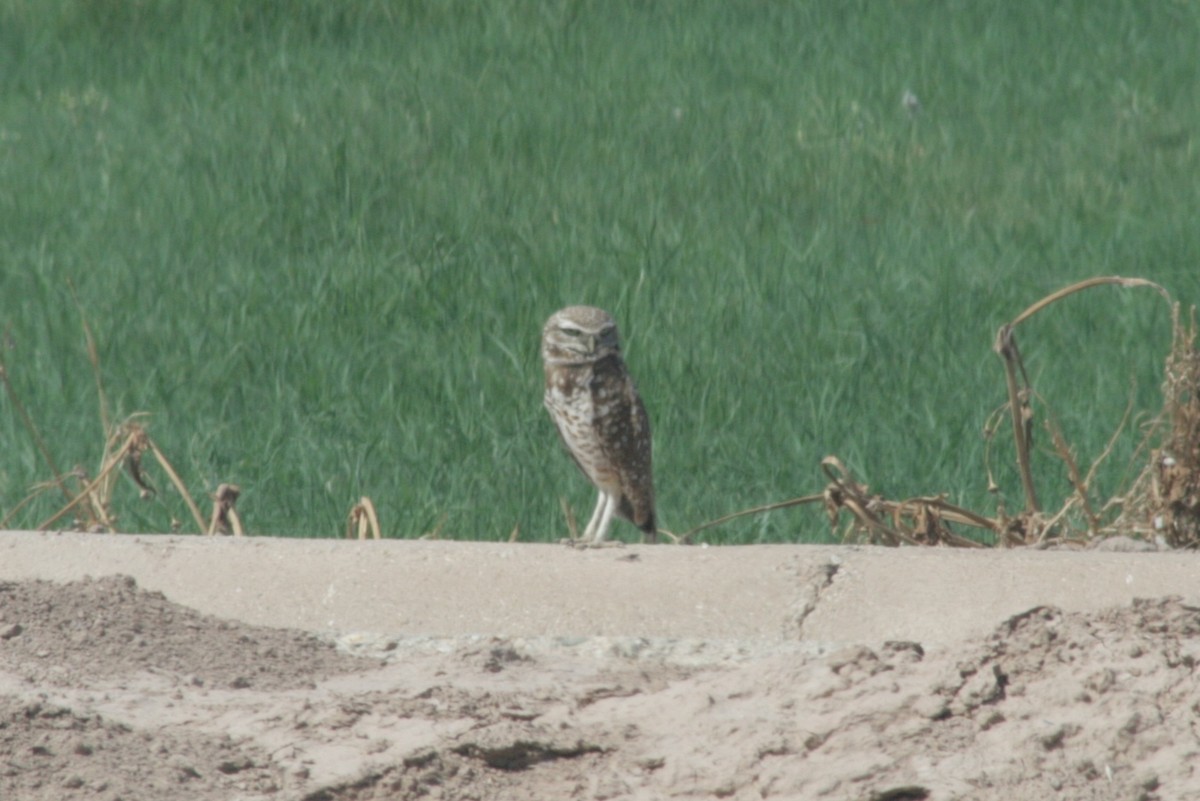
{"x":571,"y":332}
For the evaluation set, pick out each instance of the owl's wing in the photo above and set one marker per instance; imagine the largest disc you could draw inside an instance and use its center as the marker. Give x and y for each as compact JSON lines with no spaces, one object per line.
{"x":625,"y":434}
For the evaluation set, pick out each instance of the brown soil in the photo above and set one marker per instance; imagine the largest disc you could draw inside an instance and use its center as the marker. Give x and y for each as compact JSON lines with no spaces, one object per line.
{"x":110,"y":692}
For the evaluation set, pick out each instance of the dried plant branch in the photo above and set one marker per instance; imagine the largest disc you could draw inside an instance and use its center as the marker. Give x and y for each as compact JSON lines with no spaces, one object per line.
{"x":363,"y":520}
{"x":179,"y":485}
{"x":686,"y":537}
{"x":1105,"y":280}
{"x":1067,"y":455}
{"x":1005,"y":345}
{"x":1166,"y":496}
{"x":124,"y":444}
{"x":989,"y":431}
{"x":926,"y":520}
{"x":916,"y":521}
{"x":225,"y":519}
{"x":88,"y":491}
{"x":1022,"y":414}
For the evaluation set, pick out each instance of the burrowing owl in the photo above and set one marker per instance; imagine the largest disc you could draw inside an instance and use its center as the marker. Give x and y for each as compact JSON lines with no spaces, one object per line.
{"x":599,"y":416}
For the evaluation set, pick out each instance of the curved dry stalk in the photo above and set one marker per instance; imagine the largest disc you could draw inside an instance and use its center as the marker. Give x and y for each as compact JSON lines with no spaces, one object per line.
{"x":1005,"y":345}
{"x":1104,"y":280}
{"x":179,"y":485}
{"x":363,"y":520}
{"x":683,"y":539}
{"x":225,"y":519}
{"x":953,"y":513}
{"x":1021,"y":412}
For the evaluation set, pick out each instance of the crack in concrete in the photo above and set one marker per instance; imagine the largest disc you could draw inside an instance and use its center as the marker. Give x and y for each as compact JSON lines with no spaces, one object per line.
{"x":814,"y":580}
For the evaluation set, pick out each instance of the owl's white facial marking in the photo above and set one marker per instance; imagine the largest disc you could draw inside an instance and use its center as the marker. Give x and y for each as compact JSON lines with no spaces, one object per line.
{"x":579,"y":335}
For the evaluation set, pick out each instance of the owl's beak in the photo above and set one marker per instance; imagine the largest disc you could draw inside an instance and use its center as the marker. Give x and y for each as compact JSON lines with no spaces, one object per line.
{"x":591,"y":343}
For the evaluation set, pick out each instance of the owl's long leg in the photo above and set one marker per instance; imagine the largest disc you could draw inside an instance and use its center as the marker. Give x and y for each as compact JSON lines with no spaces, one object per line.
{"x":589,"y":532}
{"x":601,"y":520}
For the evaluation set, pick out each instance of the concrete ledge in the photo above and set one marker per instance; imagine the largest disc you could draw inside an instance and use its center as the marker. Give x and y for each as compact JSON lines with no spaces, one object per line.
{"x":765,"y":593}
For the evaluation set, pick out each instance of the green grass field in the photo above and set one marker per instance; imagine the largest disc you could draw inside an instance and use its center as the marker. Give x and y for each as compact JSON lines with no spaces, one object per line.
{"x":316,"y":242}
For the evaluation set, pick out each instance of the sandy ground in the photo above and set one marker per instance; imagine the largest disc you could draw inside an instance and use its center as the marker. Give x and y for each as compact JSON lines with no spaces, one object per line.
{"x":186,"y":668}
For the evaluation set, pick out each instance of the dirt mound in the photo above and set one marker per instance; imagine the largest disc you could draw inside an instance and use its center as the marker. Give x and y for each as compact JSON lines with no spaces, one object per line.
{"x":70,"y":633}
{"x":110,"y":692}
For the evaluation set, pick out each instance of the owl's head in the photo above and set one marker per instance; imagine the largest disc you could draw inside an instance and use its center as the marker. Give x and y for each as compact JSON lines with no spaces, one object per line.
{"x":578,"y":335}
